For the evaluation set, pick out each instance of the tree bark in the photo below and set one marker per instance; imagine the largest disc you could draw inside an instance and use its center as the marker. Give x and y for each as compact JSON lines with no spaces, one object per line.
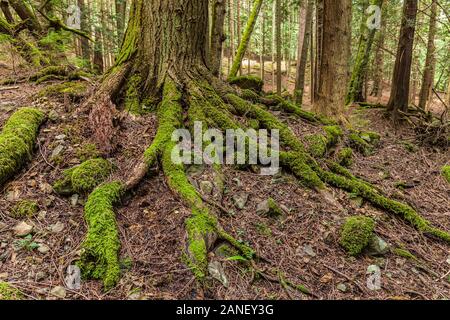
{"x":430,"y":63}
{"x":319,"y":44}
{"x":278,"y":43}
{"x":402,"y":70}
{"x":304,"y":37}
{"x":334,"y":64}
{"x":26,"y":14}
{"x":217,"y":36}
{"x":121,"y":10}
{"x":85,"y":45}
{"x":4,"y":5}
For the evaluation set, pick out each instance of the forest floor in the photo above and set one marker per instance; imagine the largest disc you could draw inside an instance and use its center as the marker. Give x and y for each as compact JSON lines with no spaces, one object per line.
{"x":303,"y":244}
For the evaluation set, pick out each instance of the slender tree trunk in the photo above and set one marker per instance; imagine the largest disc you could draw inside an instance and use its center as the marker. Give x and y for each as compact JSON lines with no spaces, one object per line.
{"x":430,"y":63}
{"x":274,"y":23}
{"x":278,"y":43}
{"x":334,"y":64}
{"x":231,"y":31}
{"x":98,"y":52}
{"x":238,"y":27}
{"x":312,"y":83}
{"x":26,"y":14}
{"x":377,"y":89}
{"x":217,"y":35}
{"x":304,"y":37}
{"x":263,"y":45}
{"x":359,"y":74}
{"x":402,"y":69}
{"x":243,"y":45}
{"x":85,"y":45}
{"x":319,"y":44}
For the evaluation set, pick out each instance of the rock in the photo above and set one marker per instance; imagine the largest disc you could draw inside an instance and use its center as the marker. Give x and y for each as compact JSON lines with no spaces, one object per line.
{"x":377,"y":246}
{"x":327,"y":278}
{"x":57,"y":227}
{"x":43,"y":248}
{"x":58,"y":292}
{"x":22,"y":229}
{"x":42,"y":215}
{"x":269,"y":207}
{"x":57,"y":151}
{"x":309,"y":250}
{"x":53,"y":116}
{"x":216,"y":271}
{"x":240,"y":200}
{"x":61,"y":137}
{"x":342,"y":287}
{"x":74,"y":200}
{"x":237,"y":181}
{"x":73,"y":278}
{"x":206,"y":187}
{"x":40,"y":276}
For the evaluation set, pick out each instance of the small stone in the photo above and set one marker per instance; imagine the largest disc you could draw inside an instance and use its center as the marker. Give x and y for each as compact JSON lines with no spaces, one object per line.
{"x":377,"y":246}
{"x":22,"y":229}
{"x":216,"y":271}
{"x":74,"y":200}
{"x":53,"y":116}
{"x":57,"y":151}
{"x":240,"y":200}
{"x":309,"y":250}
{"x":206,"y":187}
{"x":42,"y":215}
{"x":43,"y":248}
{"x":57,"y":227}
{"x":58,"y":292}
{"x":61,"y":137}
{"x":73,"y":278}
{"x":342,"y":287}
{"x":269,"y":207}
{"x":40,"y":276}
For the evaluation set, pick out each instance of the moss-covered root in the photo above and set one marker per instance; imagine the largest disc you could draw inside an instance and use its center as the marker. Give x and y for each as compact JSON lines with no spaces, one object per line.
{"x":84,"y":178}
{"x":248,"y":82}
{"x":369,"y":193}
{"x":74,"y":90}
{"x":17,"y":140}
{"x":100,"y":249}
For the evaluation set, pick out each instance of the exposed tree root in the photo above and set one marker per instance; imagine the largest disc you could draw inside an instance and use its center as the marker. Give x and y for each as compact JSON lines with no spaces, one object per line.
{"x":17,"y":140}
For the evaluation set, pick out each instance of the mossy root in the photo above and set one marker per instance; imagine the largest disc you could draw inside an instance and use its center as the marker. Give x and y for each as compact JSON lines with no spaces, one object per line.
{"x":17,"y":141}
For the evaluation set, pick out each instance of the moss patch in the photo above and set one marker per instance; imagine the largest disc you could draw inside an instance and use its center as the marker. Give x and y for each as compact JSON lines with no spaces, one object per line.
{"x":25,"y":208}
{"x":248,"y":82}
{"x":356,"y":234}
{"x":345,"y":157}
{"x":84,"y":178}
{"x":8,"y":292}
{"x":17,"y":141}
{"x":446,"y":173}
{"x":100,"y":249}
{"x":74,"y":90}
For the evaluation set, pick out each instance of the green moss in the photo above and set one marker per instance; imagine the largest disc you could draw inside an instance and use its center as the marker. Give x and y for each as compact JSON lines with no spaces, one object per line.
{"x":8,"y":292}
{"x":87,"y":151}
{"x":132,"y":95}
{"x":345,"y":157}
{"x":334,"y":135}
{"x":84,"y":178}
{"x":248,"y":82}
{"x":50,"y":71}
{"x":100,"y":249}
{"x":359,"y":144}
{"x":356,"y":234}
{"x":25,"y":208}
{"x":74,"y":90}
{"x":368,"y":192}
{"x":17,"y":141}
{"x":297,"y":163}
{"x":446,"y":173}
{"x":410,"y":147}
{"x":49,"y":77}
{"x":405,"y":254}
{"x":274,"y":209}
{"x":317,"y":145}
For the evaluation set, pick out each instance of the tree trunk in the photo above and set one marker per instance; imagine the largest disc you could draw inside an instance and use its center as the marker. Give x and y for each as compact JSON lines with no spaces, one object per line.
{"x":243,"y":45}
{"x":278,"y":43}
{"x":121,"y":10}
{"x":98,"y":52}
{"x":402,"y":70}
{"x":6,"y":11}
{"x":334,"y":64}
{"x":430,"y":63}
{"x":304,"y":37}
{"x":217,"y":35}
{"x":263,"y":45}
{"x":359,"y":73}
{"x":26,"y":14}
{"x":85,"y":46}
{"x":319,"y":44}
{"x":377,"y":89}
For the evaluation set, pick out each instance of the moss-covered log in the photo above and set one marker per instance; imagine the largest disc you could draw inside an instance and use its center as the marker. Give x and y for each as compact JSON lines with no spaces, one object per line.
{"x":17,"y":141}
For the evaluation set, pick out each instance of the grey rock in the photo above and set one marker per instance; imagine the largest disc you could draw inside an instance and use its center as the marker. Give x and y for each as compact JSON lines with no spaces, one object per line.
{"x":73,"y":277}
{"x":58,"y":292}
{"x":74,"y":200}
{"x":309,"y":250}
{"x":216,"y":271}
{"x":57,"y":227}
{"x":240,"y":200}
{"x":22,"y":229}
{"x":61,"y":137}
{"x":342,"y":287}
{"x":53,"y":116}
{"x":40,"y":276}
{"x":43,"y":248}
{"x":57,"y":151}
{"x":206,"y":187}
{"x":377,"y":246}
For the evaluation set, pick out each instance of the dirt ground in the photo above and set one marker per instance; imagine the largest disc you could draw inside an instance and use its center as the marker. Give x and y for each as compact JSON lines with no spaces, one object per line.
{"x":303,"y":244}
